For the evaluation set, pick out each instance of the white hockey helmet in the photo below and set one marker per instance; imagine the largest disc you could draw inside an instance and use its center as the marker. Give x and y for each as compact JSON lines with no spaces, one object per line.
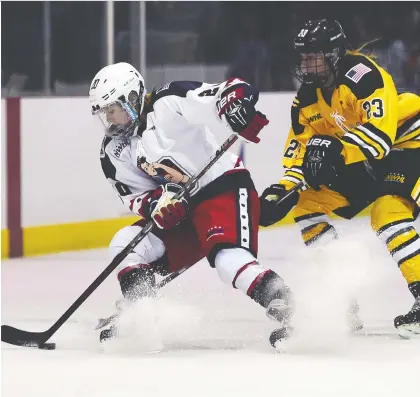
{"x":117,"y":96}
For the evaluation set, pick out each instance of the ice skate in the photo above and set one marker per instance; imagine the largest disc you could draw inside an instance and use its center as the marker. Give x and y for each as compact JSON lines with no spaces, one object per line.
{"x":408,"y":325}
{"x":280,"y":310}
{"x":135,"y":284}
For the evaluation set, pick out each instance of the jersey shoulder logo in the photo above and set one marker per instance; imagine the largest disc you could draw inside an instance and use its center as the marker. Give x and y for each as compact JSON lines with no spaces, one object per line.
{"x":357,"y":72}
{"x":315,"y":117}
{"x":119,"y":148}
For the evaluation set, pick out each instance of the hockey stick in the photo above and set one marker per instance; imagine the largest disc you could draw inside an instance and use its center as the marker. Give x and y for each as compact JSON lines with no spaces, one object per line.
{"x":103,"y":322}
{"x":19,"y":337}
{"x":291,"y":191}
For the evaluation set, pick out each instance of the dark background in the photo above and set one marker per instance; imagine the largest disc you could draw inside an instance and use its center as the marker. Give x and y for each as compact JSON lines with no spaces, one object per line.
{"x":248,"y":39}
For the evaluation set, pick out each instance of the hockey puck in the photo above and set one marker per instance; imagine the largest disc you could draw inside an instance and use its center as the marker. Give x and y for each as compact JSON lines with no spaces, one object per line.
{"x":47,"y":346}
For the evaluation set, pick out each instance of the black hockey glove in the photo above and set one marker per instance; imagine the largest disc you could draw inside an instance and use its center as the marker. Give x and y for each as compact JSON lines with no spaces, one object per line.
{"x":245,"y":120}
{"x":237,"y":105}
{"x":322,"y":161}
{"x":271,"y":212}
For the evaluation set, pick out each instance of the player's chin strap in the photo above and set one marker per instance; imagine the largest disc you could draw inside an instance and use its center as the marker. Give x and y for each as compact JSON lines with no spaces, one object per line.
{"x":103,"y":322}
{"x":19,"y":337}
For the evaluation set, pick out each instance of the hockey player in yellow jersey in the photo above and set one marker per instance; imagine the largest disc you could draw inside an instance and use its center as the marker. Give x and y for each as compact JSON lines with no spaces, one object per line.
{"x":354,"y":141}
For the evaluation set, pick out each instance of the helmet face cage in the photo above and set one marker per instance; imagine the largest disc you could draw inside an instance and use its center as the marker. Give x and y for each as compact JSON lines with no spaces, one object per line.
{"x":316,"y":67}
{"x":319,"y":46}
{"x":120,"y":118}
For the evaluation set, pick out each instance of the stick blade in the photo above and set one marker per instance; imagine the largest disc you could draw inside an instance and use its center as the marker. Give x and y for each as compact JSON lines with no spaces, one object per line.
{"x":18,"y":337}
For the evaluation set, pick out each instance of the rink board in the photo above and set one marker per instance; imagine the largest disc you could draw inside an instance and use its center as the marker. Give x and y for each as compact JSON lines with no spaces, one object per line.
{"x":61,"y":200}
{"x":48,"y":239}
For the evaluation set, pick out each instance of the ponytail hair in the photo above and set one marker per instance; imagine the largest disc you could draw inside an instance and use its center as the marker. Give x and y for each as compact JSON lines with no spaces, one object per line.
{"x":370,"y":54}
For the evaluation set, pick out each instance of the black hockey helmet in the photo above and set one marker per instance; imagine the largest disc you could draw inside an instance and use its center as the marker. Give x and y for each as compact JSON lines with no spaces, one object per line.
{"x":319,"y":46}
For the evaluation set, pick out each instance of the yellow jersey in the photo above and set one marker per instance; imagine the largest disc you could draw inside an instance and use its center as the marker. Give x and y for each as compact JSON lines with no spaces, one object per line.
{"x":365,"y":112}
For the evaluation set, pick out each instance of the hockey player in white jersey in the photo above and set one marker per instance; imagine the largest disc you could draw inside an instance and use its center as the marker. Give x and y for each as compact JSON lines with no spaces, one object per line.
{"x":153,"y":144}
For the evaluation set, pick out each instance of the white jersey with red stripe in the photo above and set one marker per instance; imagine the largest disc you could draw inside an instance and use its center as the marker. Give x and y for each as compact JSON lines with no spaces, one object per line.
{"x":180,"y":136}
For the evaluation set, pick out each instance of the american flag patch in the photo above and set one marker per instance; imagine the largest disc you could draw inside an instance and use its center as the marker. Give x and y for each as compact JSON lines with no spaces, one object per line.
{"x":357,"y":72}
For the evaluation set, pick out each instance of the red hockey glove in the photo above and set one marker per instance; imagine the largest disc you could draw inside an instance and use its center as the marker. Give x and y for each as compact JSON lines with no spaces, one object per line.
{"x":160,"y":206}
{"x":258,"y":122}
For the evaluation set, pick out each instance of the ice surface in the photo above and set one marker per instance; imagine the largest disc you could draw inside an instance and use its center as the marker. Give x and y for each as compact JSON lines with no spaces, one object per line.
{"x":202,"y":338}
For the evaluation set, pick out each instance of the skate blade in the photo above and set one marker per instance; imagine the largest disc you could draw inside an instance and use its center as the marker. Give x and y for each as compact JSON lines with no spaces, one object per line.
{"x":356,"y":327}
{"x":409,"y":331}
{"x":354,"y":322}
